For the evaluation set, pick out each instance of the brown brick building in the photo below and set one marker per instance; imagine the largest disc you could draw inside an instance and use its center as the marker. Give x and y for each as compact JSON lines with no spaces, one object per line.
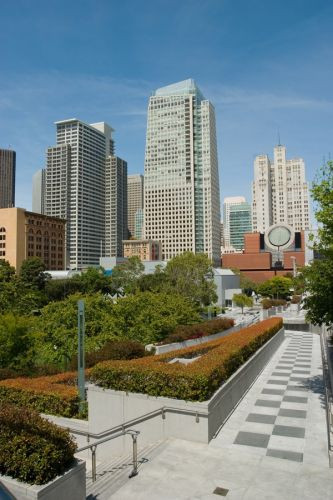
{"x":144,"y":249}
{"x":262,"y":260}
{"x":26,"y":234}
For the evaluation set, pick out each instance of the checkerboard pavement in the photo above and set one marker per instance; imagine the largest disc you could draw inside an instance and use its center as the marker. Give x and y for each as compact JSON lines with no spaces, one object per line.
{"x":279,"y":417}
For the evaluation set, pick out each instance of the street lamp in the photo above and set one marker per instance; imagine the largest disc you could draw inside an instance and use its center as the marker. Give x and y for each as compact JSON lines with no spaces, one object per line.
{"x":293,"y":258}
{"x":81,"y":360}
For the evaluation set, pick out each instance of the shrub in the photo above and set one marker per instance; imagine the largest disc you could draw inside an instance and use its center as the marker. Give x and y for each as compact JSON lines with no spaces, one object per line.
{"x":295,"y":299}
{"x":268,"y":303}
{"x":56,"y":394}
{"x":32,"y":449}
{"x":198,"y":380}
{"x":122,"y":349}
{"x":187,"y":332}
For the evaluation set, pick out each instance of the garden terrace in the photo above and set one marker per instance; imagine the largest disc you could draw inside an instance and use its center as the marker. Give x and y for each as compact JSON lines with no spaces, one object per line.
{"x":197,"y":381}
{"x":55,"y":394}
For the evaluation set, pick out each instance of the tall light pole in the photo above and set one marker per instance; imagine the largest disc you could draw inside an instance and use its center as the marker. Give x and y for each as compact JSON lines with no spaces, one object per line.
{"x":293,"y":258}
{"x":80,"y":353}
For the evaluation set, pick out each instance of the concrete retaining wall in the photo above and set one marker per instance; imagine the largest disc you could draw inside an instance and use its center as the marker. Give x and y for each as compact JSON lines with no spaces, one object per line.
{"x":71,"y":485}
{"x":109,"y":408}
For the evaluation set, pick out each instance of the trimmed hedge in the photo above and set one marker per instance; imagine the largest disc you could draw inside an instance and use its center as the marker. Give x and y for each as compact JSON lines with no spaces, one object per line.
{"x":186,"y":332}
{"x":119,"y":349}
{"x":55,"y":394}
{"x":196,"y":381}
{"x":268,"y":303}
{"x":32,"y":449}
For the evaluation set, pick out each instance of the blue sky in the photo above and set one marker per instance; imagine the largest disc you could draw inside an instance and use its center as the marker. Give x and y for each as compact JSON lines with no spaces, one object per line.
{"x":267,"y":66}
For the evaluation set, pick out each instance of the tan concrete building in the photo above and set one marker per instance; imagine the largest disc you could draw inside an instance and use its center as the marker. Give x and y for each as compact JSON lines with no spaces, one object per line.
{"x":144,"y":249}
{"x":26,"y":234}
{"x":134,"y":200}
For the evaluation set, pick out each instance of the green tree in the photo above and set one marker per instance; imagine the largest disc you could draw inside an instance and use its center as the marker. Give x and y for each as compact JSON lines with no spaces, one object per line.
{"x":57,"y":326}
{"x":125,"y":276}
{"x":318,"y":277}
{"x":276,"y":288}
{"x":242,"y":300}
{"x":191,"y":275}
{"x":149,"y":317}
{"x":7,"y":272}
{"x":17,"y":342}
{"x":32,"y":273}
{"x":93,"y":280}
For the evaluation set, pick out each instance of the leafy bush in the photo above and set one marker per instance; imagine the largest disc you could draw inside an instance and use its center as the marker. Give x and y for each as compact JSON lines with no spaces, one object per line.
{"x":186,"y":332}
{"x":122,"y":349}
{"x":295,"y":299}
{"x":268,"y":303}
{"x":32,"y":449}
{"x":198,"y":380}
{"x":56,"y":394}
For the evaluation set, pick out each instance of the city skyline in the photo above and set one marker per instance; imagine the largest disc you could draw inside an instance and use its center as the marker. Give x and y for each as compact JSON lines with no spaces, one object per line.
{"x":243,"y":66}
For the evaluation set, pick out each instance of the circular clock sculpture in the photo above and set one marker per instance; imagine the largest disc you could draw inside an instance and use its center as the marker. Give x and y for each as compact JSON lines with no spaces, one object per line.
{"x":279,"y":236}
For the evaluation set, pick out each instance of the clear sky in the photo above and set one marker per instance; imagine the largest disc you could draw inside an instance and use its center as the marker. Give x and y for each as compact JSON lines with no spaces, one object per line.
{"x":266,"y":65}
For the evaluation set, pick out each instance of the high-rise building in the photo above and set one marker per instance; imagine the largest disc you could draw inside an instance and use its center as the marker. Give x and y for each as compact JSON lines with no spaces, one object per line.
{"x":227,"y":203}
{"x":240,"y":222}
{"x":138,"y":224}
{"x":38,"y":190}
{"x":7,"y":178}
{"x":280,"y":192}
{"x":115,"y":206}
{"x":77,"y":187}
{"x":134,"y":199}
{"x":181,"y":187}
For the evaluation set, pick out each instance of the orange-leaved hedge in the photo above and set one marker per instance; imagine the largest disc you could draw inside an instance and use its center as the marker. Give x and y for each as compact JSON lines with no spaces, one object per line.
{"x":196,"y":381}
{"x":55,"y":394}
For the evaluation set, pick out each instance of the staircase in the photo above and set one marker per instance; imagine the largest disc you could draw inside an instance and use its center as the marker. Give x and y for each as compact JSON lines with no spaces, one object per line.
{"x":113,"y":474}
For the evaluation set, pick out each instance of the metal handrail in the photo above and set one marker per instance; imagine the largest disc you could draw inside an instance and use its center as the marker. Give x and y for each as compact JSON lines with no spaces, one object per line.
{"x":327,"y":372}
{"x":134,"y":434}
{"x":121,"y":430}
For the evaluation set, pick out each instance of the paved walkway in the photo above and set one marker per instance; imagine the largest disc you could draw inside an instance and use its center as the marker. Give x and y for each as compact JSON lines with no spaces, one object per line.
{"x":274,"y":445}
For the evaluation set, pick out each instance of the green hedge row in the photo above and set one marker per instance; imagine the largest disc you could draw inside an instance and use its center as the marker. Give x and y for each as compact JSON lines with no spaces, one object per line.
{"x":197,"y":381}
{"x":187,"y":332}
{"x":32,"y":449}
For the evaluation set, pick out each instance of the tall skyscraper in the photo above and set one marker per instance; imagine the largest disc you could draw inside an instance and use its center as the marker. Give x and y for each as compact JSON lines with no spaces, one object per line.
{"x":280,"y":192}
{"x":7,"y":178}
{"x":77,"y":173}
{"x":240,"y":222}
{"x":181,"y":192}
{"x":115,"y":206}
{"x":134,"y":199}
{"x":38,"y":190}
{"x":227,"y":204}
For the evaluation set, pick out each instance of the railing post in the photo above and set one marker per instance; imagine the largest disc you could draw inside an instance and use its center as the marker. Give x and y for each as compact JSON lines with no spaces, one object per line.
{"x":135,"y":456}
{"x":93,"y":463}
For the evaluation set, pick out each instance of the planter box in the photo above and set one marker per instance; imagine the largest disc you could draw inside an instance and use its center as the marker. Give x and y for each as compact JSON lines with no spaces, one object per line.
{"x":109,"y":408}
{"x":162,"y":349}
{"x":71,"y":485}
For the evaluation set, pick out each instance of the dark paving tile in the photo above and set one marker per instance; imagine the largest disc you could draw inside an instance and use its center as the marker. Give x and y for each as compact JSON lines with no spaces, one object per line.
{"x":288,"y":431}
{"x":284,"y":412}
{"x":299,"y":379}
{"x":286,"y":455}
{"x":277,"y":392}
{"x":252,"y":439}
{"x":303,"y":372}
{"x":281,"y":374}
{"x":291,"y":363}
{"x":288,"y":357}
{"x":261,"y":419}
{"x":294,"y":399}
{"x":267,"y":403}
{"x":296,"y":388}
{"x":278,"y":382}
{"x":303,"y":365}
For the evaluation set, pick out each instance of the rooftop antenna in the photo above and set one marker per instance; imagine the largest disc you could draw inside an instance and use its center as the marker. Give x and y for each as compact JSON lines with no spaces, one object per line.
{"x":279,"y":141}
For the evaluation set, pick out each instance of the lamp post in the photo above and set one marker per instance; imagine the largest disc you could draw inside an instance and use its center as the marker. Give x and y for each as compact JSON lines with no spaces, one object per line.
{"x":80,"y":354}
{"x":293,"y":258}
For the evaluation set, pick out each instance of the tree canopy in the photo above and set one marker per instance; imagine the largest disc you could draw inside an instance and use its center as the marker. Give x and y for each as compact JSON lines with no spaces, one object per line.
{"x":242,"y":300}
{"x":318,"y":277}
{"x":276,"y":288}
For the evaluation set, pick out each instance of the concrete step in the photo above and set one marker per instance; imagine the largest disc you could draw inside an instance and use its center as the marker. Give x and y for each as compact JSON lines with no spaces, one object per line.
{"x":113,"y":474}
